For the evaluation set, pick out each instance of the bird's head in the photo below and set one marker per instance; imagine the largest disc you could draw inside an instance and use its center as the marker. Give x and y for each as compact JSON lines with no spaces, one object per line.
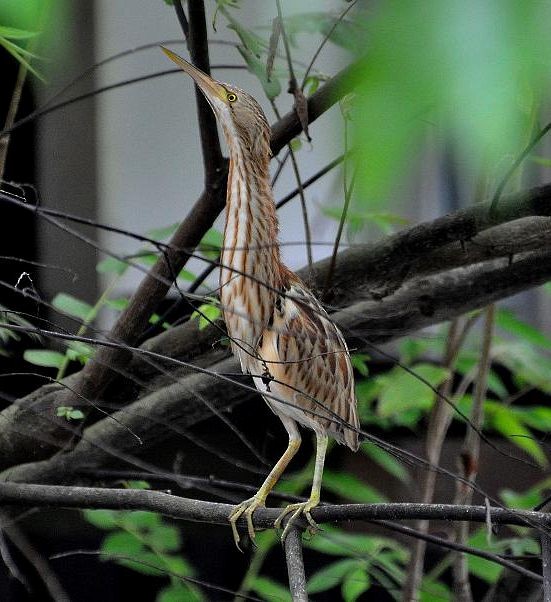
{"x":241,"y":117}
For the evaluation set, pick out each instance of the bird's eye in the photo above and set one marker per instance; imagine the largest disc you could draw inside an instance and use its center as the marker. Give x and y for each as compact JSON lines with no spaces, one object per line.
{"x":231,"y":97}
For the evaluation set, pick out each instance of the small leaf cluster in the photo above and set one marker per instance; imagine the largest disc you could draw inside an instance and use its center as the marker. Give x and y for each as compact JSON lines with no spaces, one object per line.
{"x":145,"y":543}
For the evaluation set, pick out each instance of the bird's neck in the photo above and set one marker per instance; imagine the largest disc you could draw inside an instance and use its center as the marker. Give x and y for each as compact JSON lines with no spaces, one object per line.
{"x":251,"y":233}
{"x":251,"y":269}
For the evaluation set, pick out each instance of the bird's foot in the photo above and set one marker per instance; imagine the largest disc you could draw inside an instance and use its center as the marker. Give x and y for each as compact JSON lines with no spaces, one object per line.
{"x":246,"y":508}
{"x":295,"y":510}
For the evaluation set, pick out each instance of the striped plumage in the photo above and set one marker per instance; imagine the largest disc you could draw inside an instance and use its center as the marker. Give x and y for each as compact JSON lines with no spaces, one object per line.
{"x":278,"y":330}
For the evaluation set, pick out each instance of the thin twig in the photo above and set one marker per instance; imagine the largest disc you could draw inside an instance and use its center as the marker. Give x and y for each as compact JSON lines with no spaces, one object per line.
{"x":348,"y":190}
{"x":10,"y":117}
{"x":326,"y":38}
{"x":295,"y":565}
{"x":300,"y":188}
{"x":546,"y":566}
{"x":501,"y":186}
{"x":452,"y":545}
{"x":439,"y":421}
{"x":470,"y":455}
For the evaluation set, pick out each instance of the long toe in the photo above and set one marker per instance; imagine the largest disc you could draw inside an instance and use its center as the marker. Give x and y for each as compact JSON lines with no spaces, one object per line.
{"x":296,"y":510}
{"x":246,"y":508}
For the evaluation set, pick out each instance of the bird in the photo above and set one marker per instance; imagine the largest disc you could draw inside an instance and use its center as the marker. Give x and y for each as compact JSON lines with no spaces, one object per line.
{"x":279,"y":331}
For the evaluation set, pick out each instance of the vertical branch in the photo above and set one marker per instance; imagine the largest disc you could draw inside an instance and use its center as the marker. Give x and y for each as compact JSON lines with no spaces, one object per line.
{"x":348,"y":190}
{"x":199,"y":53}
{"x":295,"y":565}
{"x":10,"y":117}
{"x":546,"y":566}
{"x":439,"y":423}
{"x":470,"y":456}
{"x":300,"y":188}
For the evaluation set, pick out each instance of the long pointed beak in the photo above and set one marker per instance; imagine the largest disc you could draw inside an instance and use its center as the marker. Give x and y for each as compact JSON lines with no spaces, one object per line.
{"x":210,"y":87}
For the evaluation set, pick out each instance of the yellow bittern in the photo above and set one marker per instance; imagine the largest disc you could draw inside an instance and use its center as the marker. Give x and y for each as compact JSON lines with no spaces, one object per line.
{"x":278,"y":330}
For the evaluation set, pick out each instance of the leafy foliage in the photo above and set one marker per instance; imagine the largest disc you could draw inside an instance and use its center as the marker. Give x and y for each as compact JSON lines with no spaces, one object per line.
{"x":144,"y":542}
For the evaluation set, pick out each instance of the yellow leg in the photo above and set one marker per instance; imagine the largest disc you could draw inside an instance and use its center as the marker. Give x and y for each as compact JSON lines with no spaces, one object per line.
{"x":258,"y":500}
{"x":304,"y":507}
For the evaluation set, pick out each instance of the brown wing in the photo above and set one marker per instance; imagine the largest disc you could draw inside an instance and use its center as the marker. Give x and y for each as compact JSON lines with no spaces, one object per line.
{"x":305,"y":350}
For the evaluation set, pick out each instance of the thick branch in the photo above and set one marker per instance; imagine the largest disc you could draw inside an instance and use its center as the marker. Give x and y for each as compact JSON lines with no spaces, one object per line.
{"x":26,"y":432}
{"x":24,"y":494}
{"x":421,"y":303}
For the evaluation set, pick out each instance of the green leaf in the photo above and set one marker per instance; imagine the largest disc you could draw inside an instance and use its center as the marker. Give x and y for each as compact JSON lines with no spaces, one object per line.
{"x":355,"y":584}
{"x":546,"y":162}
{"x":538,"y":417}
{"x":206,"y":313}
{"x":386,"y":461}
{"x":331,"y":575}
{"x":137,"y":485}
{"x":69,"y":413}
{"x":21,"y":55}
{"x":79,"y":351}
{"x":73,"y":306}
{"x":525,"y":500}
{"x":339,"y":543}
{"x":311,"y":84}
{"x":13,"y":33}
{"x":385,"y":221}
{"x":102,"y":519}
{"x":179,"y":592}
{"x":118,"y":304}
{"x":272,"y":86}
{"x":434,"y":591}
{"x":211,"y":243}
{"x":253,"y":43}
{"x":481,"y":568}
{"x":402,"y":391}
{"x":123,"y":543}
{"x":112,"y":265}
{"x":528,"y":365}
{"x":507,"y":320}
{"x":505,"y":421}
{"x":187,"y":275}
{"x":162,"y":233}
{"x":295,"y":144}
{"x":164,"y":538}
{"x":178,"y":565}
{"x":147,"y":259}
{"x":141,"y":520}
{"x":350,"y":487}
{"x":359,"y":363}
{"x":43,"y":357}
{"x":347,"y":34}
{"x":271,"y":590}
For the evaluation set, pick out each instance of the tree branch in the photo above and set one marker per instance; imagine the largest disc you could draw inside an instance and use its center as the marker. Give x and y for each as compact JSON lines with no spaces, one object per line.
{"x":66,"y":496}
{"x":295,"y":565}
{"x":419,"y":302}
{"x":199,"y":53}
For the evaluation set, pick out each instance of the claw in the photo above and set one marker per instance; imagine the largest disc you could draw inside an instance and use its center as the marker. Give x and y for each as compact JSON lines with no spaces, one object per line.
{"x":296,"y":510}
{"x":246,"y":508}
